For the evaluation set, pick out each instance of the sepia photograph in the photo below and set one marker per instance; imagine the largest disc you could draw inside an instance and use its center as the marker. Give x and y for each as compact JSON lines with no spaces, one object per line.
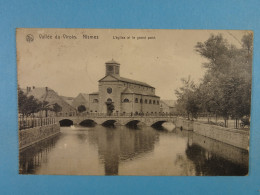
{"x":134,"y":102}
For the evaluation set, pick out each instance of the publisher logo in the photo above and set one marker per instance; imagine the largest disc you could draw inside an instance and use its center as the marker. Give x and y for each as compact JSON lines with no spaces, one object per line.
{"x":29,"y":38}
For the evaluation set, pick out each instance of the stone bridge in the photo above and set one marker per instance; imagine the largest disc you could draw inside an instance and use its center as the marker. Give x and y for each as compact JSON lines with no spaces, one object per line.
{"x":118,"y":120}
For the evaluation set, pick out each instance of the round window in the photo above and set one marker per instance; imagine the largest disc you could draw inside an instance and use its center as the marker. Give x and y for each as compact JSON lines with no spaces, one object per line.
{"x":109,"y":90}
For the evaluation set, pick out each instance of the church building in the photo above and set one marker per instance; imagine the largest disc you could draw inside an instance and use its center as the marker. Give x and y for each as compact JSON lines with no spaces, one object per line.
{"x":119,"y":95}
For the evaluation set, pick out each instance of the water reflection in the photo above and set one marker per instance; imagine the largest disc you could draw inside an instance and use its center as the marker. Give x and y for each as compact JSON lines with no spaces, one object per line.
{"x":33,"y":157}
{"x":122,"y":144}
{"x":215,"y":158}
{"x":124,"y":151}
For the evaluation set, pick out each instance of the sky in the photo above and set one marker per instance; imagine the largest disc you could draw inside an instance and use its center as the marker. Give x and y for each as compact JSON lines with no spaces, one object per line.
{"x":72,"y":64}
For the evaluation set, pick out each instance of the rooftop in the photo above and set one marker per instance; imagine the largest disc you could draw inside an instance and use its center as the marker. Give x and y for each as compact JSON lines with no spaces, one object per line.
{"x":131,"y":81}
{"x":170,"y":103}
{"x":85,"y":96}
{"x":94,"y":93}
{"x":127,"y":90}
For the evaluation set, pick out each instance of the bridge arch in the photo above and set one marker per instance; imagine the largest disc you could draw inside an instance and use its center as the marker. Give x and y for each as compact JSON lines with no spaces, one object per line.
{"x":109,"y":122}
{"x":87,"y":123}
{"x":66,"y":122}
{"x":133,"y":123}
{"x":158,"y":123}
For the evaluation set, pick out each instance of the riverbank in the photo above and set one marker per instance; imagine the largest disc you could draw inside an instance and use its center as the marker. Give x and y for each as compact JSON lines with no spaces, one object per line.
{"x":234,"y":137}
{"x":33,"y":135}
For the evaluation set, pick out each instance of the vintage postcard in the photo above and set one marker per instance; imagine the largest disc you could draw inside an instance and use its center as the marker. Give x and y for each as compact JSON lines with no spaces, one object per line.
{"x":134,"y":102}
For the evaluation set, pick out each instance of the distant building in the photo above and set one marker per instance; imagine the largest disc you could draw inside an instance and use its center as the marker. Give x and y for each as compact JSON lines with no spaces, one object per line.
{"x":81,"y":99}
{"x":167,"y":106}
{"x":126,"y":96}
{"x":49,"y":95}
{"x":69,"y":100}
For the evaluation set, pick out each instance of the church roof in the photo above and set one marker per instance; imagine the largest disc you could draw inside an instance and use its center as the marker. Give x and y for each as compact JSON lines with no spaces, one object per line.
{"x":127,"y":90}
{"x":127,"y":80}
{"x":132,"y":81}
{"x":112,"y":62}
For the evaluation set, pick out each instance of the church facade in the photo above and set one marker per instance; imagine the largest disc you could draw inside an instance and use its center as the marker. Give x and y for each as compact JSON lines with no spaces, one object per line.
{"x":119,"y":95}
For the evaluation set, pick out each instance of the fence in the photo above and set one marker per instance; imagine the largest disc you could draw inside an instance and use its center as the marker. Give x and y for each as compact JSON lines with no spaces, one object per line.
{"x":125,"y":114}
{"x":30,"y":122}
{"x":243,"y":123}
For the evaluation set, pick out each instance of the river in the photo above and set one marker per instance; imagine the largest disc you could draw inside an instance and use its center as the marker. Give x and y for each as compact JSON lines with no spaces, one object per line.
{"x":124,"y":151}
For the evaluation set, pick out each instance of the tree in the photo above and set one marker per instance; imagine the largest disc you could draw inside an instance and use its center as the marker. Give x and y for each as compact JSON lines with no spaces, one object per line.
{"x":110,"y":108}
{"x":188,"y":98}
{"x":81,"y":108}
{"x":30,"y":105}
{"x":227,"y":83}
{"x":27,"y":105}
{"x":45,"y":106}
{"x":56,"y":108}
{"x":225,"y":89}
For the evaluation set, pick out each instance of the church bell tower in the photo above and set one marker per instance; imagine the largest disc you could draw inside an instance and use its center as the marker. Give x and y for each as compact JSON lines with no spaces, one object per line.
{"x":112,"y":68}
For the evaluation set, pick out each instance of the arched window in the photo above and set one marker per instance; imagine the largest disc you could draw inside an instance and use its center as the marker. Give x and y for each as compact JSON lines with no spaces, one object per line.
{"x":150,"y":101}
{"x":109,"y":100}
{"x":154,"y":102}
{"x":158,"y":102}
{"x":95,"y":100}
{"x":126,"y":100}
{"x":141,"y":101}
{"x":145,"y":101}
{"x":136,"y":100}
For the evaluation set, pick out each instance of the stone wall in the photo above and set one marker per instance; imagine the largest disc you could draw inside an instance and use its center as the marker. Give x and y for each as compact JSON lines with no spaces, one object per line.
{"x":226,"y":151}
{"x":234,"y":137}
{"x":30,"y":136}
